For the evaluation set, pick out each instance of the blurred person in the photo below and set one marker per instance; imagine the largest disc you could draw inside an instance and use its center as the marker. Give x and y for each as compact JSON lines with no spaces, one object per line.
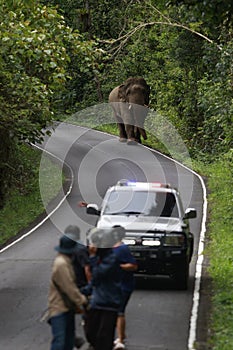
{"x":105,"y":290}
{"x":80,"y":257}
{"x":65,"y":298}
{"x":128,"y":265}
{"x":81,"y":265}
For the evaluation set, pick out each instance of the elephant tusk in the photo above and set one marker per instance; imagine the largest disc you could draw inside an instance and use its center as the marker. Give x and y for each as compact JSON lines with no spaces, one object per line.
{"x":130,"y":106}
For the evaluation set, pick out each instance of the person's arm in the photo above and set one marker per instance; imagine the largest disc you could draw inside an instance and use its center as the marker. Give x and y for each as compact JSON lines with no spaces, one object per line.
{"x":129,"y":267}
{"x":87,"y":270}
{"x":82,"y":204}
{"x":85,"y":263}
{"x":127,"y":260}
{"x":64,"y":279}
{"x":93,"y":258}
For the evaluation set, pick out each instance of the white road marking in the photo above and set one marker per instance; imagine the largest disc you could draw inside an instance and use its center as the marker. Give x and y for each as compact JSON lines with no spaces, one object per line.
{"x":51,"y":213}
{"x":198,"y":273}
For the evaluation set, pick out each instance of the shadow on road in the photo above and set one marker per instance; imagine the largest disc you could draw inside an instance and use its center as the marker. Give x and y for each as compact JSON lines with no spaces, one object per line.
{"x":159,"y":283}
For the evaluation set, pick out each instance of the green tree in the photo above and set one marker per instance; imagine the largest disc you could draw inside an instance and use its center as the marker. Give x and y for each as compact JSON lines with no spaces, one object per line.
{"x":187,"y":60}
{"x":34,"y":47}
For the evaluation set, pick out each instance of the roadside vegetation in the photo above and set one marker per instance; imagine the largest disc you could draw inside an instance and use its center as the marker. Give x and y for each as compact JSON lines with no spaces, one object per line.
{"x":60,"y":57}
{"x":219,"y":250}
{"x":23,"y":203}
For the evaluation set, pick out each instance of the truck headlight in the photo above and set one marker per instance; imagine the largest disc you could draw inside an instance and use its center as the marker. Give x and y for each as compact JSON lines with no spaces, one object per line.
{"x":129,"y":241}
{"x":151,"y":243}
{"x":174,"y":240}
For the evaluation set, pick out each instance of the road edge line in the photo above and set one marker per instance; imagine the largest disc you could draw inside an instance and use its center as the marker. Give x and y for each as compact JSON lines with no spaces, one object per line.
{"x":200,"y":259}
{"x":198,"y":274}
{"x":53,"y":211}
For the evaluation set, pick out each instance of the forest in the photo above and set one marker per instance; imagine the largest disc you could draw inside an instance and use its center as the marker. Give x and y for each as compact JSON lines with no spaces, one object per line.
{"x":59,"y":57}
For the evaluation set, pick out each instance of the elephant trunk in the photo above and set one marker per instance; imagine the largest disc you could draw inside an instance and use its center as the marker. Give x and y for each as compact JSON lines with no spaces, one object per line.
{"x":139,"y":115}
{"x":143,"y":133}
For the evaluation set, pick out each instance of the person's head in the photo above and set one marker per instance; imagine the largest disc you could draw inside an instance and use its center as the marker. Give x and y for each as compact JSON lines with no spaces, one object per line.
{"x":105,"y":237}
{"x":66,"y":245}
{"x":73,"y":232}
{"x":119,"y":232}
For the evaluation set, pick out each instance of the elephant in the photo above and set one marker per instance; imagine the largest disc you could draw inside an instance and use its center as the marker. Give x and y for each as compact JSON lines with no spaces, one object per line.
{"x":129,"y":102}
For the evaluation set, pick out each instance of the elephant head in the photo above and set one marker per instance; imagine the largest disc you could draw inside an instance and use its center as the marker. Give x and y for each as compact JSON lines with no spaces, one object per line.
{"x":129,"y":102}
{"x":136,"y":90}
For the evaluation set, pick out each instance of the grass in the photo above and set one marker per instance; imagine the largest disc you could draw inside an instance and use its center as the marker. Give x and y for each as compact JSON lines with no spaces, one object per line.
{"x":220,"y":251}
{"x":25,"y":204}
{"x":151,"y":141}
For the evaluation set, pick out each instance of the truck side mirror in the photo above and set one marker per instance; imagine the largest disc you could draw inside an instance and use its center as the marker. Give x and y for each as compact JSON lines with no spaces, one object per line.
{"x":190,"y":213}
{"x":93,"y":209}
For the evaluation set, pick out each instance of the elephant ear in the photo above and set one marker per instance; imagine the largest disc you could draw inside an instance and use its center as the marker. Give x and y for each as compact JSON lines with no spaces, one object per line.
{"x":122,"y":93}
{"x":146,"y":90}
{"x":147,"y":94}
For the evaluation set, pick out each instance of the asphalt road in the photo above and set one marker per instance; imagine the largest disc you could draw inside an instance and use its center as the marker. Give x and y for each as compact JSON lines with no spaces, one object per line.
{"x":158,"y":317}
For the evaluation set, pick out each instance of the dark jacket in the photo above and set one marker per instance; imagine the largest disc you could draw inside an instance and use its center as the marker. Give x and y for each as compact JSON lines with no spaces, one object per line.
{"x":80,"y":259}
{"x":105,"y":286}
{"x":127,"y":277}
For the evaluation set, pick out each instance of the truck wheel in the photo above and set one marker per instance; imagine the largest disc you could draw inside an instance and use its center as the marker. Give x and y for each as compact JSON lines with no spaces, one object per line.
{"x":181,"y":277}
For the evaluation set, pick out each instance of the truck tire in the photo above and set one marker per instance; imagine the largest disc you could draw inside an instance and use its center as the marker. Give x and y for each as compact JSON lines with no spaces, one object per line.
{"x":181,"y":276}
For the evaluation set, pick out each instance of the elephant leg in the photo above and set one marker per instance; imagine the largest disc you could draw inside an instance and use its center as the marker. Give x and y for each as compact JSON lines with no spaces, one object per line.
{"x":122,"y":132}
{"x":130,"y":134}
{"x":120,"y":124}
{"x":139,"y":115}
{"x":127,"y":117}
{"x":121,"y":128}
{"x":137,"y":134}
{"x":143,"y":133}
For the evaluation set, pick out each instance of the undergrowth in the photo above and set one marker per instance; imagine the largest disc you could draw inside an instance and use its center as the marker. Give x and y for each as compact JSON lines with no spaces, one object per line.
{"x":24,"y":202}
{"x":220,"y":250}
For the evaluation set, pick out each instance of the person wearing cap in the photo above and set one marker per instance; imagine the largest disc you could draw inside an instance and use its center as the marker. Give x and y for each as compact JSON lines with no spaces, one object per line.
{"x":105,"y":289}
{"x":65,"y":298}
{"x":81,"y":265}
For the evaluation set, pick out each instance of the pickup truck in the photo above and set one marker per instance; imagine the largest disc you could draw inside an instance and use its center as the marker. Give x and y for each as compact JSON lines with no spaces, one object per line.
{"x":157,"y":227}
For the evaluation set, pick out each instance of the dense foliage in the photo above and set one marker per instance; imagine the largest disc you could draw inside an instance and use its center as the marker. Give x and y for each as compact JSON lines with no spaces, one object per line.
{"x":182,"y":48}
{"x":59,"y":56}
{"x":35,"y":50}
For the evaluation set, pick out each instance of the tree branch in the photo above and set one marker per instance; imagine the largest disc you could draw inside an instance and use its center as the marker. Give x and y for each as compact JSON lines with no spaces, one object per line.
{"x":124,"y":38}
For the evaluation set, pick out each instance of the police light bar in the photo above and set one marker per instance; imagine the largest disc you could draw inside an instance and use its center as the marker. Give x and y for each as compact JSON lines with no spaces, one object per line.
{"x":161,"y":185}
{"x":145,"y":185}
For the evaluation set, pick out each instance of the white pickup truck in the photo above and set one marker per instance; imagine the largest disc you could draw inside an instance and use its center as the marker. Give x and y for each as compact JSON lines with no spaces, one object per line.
{"x":157,"y":227}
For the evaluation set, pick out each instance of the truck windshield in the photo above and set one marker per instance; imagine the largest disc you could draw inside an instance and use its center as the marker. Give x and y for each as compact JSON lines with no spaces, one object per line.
{"x":141,"y":203}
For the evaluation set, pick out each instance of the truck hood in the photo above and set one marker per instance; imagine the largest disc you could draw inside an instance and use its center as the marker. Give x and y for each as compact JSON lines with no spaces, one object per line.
{"x":141,"y":224}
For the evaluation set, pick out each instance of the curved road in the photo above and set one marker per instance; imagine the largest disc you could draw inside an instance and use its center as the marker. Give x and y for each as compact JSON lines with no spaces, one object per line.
{"x":158,"y":317}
